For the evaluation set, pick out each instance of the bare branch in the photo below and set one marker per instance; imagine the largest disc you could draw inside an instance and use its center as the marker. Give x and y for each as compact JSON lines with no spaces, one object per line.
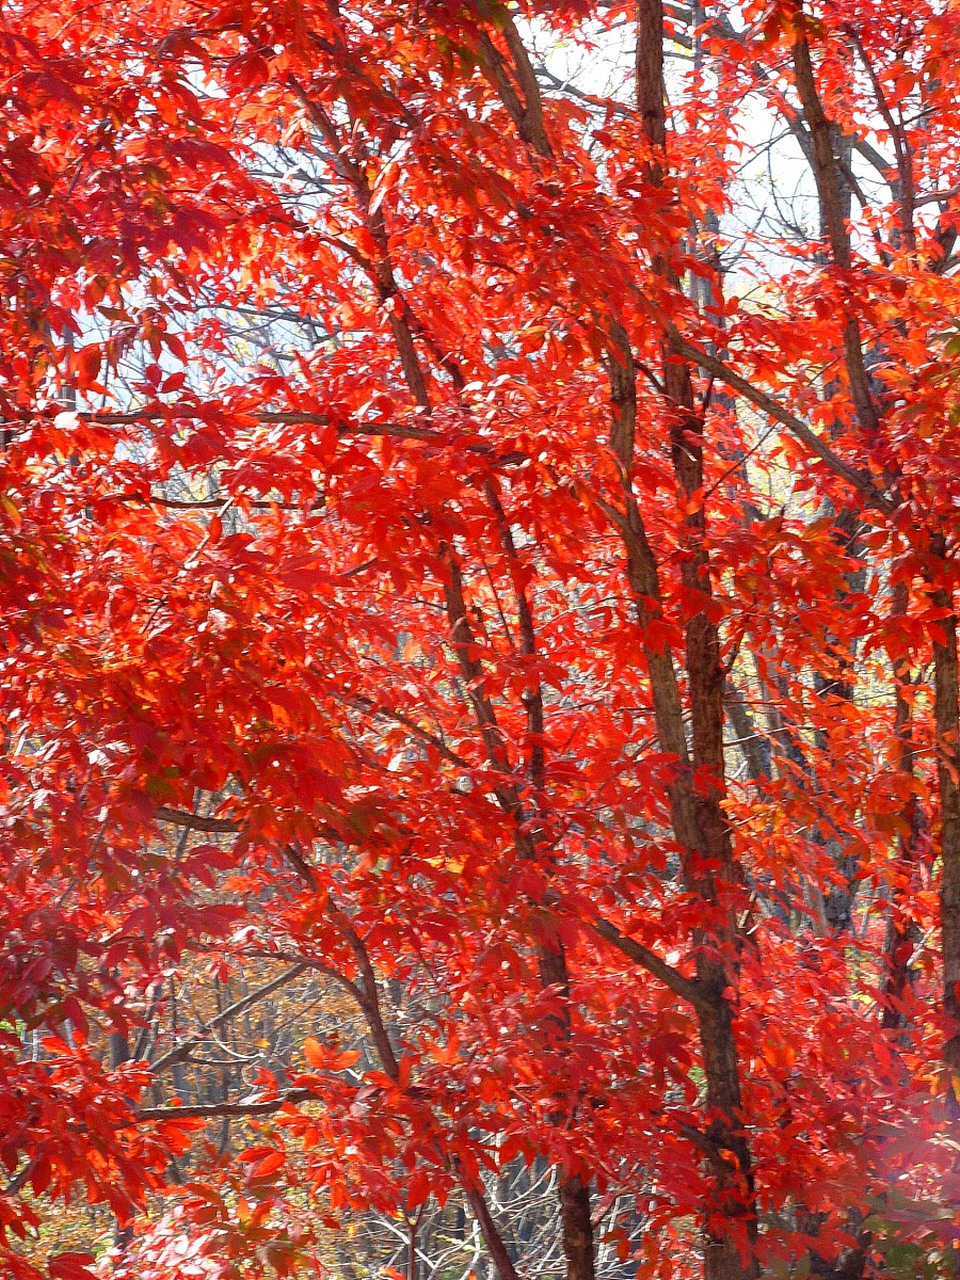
{"x":688,"y":989}
{"x":860,"y":480}
{"x":239,"y":1006}
{"x":196,"y":822}
{"x":212,"y":1110}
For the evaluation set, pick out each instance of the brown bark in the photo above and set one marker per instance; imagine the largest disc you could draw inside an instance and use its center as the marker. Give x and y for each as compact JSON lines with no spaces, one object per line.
{"x":528,"y":115}
{"x":574,"y":1194}
{"x":520,"y":95}
{"x":830,"y":189}
{"x":364,"y":991}
{"x":488,"y":1228}
{"x":577,"y":1228}
{"x":709,"y":866}
{"x":902,"y":931}
{"x":731,"y":1231}
{"x":947,"y":717}
{"x":551,"y":956}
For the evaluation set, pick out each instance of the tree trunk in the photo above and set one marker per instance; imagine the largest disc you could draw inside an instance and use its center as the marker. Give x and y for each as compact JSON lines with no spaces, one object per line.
{"x":730,"y":1234}
{"x":577,"y":1228}
{"x":709,"y":866}
{"x":947,"y":717}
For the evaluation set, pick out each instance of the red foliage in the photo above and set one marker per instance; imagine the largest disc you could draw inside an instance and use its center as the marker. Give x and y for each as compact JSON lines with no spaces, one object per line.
{"x":400,"y":497}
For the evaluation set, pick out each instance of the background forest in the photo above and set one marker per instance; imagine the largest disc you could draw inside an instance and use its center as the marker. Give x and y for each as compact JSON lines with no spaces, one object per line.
{"x":480,"y":780}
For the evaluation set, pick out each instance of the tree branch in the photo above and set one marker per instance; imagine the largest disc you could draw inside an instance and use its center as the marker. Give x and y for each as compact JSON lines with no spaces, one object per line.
{"x":213,"y":1110}
{"x":196,"y":822}
{"x":689,"y":989}
{"x":239,"y":1006}
{"x":860,"y":480}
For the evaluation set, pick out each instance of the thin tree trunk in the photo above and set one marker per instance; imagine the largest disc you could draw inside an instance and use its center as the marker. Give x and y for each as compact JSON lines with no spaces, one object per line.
{"x":577,"y":1228}
{"x":947,"y":717}
{"x":710,"y":868}
{"x":902,"y":931}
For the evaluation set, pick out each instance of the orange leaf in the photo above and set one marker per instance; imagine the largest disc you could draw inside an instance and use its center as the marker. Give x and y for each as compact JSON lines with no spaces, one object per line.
{"x":274,"y":1161}
{"x":315,"y":1053}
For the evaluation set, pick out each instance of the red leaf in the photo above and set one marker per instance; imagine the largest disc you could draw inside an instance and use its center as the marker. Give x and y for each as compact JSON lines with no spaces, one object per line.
{"x":269,"y":1165}
{"x":71,"y":1266}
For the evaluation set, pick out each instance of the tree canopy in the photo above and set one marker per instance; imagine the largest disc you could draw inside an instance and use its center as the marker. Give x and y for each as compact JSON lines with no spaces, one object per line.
{"x":478,"y":554}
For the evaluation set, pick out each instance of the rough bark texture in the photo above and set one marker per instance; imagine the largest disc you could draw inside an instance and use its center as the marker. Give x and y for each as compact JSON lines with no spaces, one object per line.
{"x":709,"y":866}
{"x":830,"y":189}
{"x":577,"y":1228}
{"x":731,"y":1227}
{"x":902,"y":932}
{"x":948,"y":761}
